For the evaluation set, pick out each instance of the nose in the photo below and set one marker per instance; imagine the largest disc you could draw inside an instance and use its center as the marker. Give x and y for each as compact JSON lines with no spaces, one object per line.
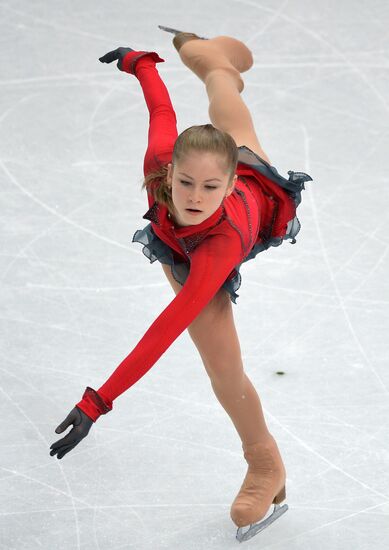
{"x":195,"y":196}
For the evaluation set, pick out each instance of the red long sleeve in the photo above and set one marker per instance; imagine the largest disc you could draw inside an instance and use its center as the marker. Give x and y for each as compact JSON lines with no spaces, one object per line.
{"x":211,"y":263}
{"x":162,"y":132}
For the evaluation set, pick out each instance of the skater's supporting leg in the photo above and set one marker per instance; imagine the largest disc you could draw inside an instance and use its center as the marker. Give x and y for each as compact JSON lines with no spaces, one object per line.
{"x":214,"y":334}
{"x":240,"y":400}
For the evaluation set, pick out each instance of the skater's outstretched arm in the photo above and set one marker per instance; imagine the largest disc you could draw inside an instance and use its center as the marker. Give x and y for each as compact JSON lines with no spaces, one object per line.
{"x":211,"y":263}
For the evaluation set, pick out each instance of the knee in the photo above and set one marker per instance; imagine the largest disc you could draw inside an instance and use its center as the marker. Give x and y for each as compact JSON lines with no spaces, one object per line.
{"x":226,"y":371}
{"x":220,"y":75}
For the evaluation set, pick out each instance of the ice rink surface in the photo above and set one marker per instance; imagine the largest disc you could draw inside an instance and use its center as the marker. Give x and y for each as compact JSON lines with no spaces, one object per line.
{"x":160,"y":470}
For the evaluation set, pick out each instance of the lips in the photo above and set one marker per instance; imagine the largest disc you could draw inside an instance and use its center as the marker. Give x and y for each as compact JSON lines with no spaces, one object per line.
{"x":193,"y":210}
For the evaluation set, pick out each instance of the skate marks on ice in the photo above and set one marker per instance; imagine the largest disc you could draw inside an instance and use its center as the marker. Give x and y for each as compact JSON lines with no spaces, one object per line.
{"x":76,"y":124}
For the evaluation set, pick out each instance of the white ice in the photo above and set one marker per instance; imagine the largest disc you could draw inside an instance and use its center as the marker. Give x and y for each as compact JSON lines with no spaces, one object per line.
{"x":161,"y":469}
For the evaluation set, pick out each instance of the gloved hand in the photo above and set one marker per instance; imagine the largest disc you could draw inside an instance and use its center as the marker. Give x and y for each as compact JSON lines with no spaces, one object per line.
{"x":81,"y":426}
{"x":127,"y":58}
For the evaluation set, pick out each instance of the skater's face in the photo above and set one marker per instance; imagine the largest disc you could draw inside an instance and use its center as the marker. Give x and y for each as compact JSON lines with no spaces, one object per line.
{"x":198,"y":182}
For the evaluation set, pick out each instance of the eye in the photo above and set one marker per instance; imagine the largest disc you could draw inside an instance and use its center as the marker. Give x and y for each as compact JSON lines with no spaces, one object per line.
{"x":185,"y":183}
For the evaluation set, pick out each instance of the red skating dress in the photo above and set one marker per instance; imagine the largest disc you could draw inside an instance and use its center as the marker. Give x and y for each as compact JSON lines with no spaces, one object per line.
{"x":260,"y":212}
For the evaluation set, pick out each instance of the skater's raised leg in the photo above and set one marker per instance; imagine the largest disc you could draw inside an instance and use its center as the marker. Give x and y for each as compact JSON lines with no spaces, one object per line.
{"x":219,"y":62}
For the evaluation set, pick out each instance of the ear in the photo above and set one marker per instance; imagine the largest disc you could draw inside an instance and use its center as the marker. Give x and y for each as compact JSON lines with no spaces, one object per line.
{"x":232,"y":186}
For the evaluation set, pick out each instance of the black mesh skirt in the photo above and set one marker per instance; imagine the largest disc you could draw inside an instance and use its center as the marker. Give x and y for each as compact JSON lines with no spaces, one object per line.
{"x":155,"y":249}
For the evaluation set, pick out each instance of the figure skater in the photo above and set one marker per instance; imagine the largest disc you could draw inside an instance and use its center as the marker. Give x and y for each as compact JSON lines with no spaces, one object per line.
{"x":215,"y":201}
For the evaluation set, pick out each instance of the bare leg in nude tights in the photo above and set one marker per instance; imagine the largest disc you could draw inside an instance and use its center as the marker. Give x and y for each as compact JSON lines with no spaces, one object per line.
{"x":214,"y":334}
{"x":219,"y":62}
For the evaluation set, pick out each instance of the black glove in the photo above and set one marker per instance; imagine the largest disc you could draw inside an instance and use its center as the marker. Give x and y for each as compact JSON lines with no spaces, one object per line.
{"x":127,"y":58}
{"x":81,"y":426}
{"x":119,"y":54}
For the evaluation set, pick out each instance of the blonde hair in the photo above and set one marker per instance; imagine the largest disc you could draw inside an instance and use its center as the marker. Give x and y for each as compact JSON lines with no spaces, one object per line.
{"x":203,"y":138}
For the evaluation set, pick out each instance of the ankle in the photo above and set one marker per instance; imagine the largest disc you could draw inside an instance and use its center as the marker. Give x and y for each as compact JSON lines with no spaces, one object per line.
{"x":265,"y":439}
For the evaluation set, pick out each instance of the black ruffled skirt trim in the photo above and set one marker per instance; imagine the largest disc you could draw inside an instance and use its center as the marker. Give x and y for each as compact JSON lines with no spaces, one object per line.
{"x":155,"y":249}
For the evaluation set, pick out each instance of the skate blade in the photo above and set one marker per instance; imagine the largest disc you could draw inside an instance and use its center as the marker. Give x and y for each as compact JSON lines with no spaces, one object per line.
{"x":257,"y":527}
{"x":175,"y":31}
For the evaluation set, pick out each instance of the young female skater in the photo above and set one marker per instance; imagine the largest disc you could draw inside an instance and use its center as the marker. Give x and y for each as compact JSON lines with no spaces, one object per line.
{"x":215,"y":201}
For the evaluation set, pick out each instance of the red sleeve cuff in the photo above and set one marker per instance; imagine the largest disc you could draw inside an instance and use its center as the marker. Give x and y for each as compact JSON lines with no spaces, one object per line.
{"x":129,"y":61}
{"x":94,"y":404}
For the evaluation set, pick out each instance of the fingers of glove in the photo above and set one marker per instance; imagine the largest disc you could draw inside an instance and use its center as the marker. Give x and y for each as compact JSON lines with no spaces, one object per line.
{"x":63,"y":443}
{"x":72,"y":437}
{"x":71,"y":417}
{"x":64,"y":450}
{"x":110,"y":56}
{"x":55,"y":451}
